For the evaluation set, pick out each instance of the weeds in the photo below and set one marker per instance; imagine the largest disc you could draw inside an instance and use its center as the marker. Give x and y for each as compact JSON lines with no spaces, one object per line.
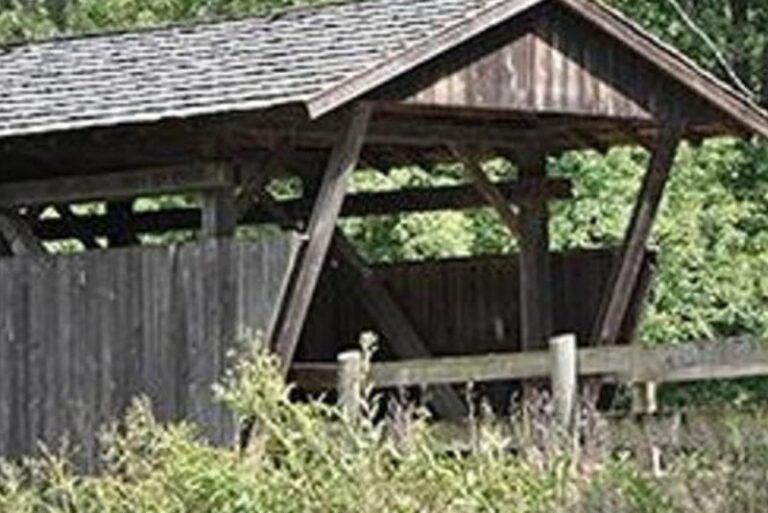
{"x":310,"y":457}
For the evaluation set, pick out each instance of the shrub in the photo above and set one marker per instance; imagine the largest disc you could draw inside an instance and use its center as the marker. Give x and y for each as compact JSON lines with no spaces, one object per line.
{"x":311,"y":457}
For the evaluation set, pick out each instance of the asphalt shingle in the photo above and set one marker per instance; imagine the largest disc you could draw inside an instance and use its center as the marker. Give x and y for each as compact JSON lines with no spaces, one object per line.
{"x":183,"y":71}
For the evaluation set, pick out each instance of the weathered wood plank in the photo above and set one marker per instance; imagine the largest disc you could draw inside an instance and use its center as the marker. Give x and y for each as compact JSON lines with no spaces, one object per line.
{"x":322,"y":224}
{"x":81,"y":335}
{"x":619,"y":292}
{"x":683,"y":363}
{"x":6,"y":362}
{"x":355,"y":205}
{"x":150,"y":182}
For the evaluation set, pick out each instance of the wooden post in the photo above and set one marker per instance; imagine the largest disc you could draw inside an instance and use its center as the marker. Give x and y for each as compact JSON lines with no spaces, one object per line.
{"x":563,"y":369}
{"x":219,"y":215}
{"x":619,"y":291}
{"x":322,"y":225}
{"x":535,"y":290}
{"x":644,"y":400}
{"x":350,"y":384}
{"x":644,"y":406}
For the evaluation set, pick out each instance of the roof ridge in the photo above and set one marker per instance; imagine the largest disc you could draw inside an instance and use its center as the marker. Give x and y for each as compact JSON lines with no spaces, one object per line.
{"x":265,"y":15}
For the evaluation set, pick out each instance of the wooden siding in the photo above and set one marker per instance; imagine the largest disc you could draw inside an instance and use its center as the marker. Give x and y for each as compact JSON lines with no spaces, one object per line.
{"x":466,"y":306}
{"x":81,"y":335}
{"x":562,"y":64}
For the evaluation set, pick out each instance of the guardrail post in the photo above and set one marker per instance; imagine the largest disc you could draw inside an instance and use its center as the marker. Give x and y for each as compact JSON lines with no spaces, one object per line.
{"x":644,"y":406}
{"x":563,"y":374}
{"x":350,"y":384}
{"x":644,"y":398}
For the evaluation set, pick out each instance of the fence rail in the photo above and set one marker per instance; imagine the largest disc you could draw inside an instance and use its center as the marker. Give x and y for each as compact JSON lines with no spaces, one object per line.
{"x":626,"y":364}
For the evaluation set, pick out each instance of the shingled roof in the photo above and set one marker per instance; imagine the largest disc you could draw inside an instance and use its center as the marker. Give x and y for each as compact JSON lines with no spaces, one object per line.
{"x":299,"y":56}
{"x":232,"y":65}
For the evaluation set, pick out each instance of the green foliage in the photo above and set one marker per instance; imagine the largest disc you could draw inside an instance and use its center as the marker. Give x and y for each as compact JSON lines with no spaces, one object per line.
{"x":311,"y":457}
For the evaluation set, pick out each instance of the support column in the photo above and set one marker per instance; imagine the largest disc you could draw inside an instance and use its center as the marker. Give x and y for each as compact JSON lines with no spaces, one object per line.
{"x":624,"y":279}
{"x":219,"y":214}
{"x":535,"y":285}
{"x":322,"y":223}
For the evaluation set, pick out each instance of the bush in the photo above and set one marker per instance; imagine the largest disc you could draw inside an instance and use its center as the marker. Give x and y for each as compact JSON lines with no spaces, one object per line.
{"x":310,"y":457}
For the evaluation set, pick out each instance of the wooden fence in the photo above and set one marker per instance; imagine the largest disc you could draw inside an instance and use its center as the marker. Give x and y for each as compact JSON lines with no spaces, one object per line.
{"x":81,"y":335}
{"x":624,"y":364}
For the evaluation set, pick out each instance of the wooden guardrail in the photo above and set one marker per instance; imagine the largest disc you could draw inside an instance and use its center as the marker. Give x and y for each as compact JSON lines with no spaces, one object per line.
{"x":563,"y":365}
{"x":731,"y":359}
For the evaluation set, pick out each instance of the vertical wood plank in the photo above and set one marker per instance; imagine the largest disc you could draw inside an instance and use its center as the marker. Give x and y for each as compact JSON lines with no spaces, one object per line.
{"x":7,"y":281}
{"x":80,"y":335}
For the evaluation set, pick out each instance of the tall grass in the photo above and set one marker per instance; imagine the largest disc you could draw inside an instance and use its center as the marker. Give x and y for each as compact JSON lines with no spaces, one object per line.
{"x":311,"y":457}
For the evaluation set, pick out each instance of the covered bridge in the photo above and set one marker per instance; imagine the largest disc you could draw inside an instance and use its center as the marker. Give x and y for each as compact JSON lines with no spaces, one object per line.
{"x":220,"y":109}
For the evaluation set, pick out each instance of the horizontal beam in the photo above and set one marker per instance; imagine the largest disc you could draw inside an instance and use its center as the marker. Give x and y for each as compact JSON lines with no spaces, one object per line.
{"x":147,"y":182}
{"x":628,"y":364}
{"x":356,"y":205}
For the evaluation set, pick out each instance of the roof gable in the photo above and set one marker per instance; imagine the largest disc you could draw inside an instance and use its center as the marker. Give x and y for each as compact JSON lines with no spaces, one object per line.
{"x":558,"y":65}
{"x":625,"y":71}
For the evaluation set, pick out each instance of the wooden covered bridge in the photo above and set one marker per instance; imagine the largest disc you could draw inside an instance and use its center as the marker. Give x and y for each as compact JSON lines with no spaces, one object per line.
{"x":221,"y":109}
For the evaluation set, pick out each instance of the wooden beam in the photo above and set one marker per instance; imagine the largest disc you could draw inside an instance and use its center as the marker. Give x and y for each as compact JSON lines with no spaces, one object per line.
{"x":356,"y":205}
{"x":535,"y":284}
{"x":219,"y":213}
{"x":624,"y":278}
{"x":394,"y":323}
{"x":493,"y":196}
{"x":148,"y":182}
{"x":322,"y":224}
{"x":18,"y":237}
{"x":626,"y":364}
